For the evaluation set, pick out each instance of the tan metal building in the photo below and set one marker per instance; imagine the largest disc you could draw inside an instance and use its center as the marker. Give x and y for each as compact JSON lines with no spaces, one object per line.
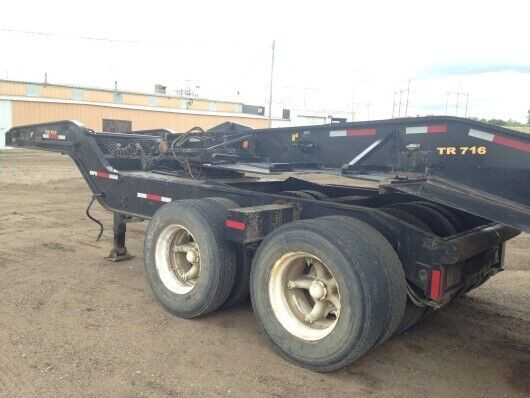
{"x":110,"y":110}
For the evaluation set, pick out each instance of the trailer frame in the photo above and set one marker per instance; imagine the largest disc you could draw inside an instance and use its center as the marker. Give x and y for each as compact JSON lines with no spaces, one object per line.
{"x":129,"y":175}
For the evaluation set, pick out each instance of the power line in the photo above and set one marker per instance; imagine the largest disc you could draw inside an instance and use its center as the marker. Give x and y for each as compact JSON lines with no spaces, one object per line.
{"x":90,"y":38}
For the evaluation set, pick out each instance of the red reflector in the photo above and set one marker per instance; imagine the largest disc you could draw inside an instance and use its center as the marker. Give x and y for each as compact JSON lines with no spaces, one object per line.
{"x":436,"y":285}
{"x":511,"y":143}
{"x":235,"y":225}
{"x":439,"y":128}
{"x":154,"y":198}
{"x":360,"y":132}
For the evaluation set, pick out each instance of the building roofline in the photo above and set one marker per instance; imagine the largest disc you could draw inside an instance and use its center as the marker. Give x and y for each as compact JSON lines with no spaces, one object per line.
{"x":132,"y":107}
{"x":115,"y":91}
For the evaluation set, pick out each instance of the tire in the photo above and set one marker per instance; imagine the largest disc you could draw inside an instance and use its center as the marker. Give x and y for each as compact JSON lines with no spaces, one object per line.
{"x":224,"y":202}
{"x":412,"y":313}
{"x":395,"y":275}
{"x":241,"y":290}
{"x":407,"y":217}
{"x":434,"y":220}
{"x":203,"y":222}
{"x":448,"y":214}
{"x":362,"y":292}
{"x":315,"y":194}
{"x":297,"y":194}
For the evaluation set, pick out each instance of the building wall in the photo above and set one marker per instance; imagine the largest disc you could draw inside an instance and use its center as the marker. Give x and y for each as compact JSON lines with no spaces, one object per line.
{"x":50,"y":91}
{"x":301,"y":117}
{"x":29,"y":112}
{"x":5,"y":120}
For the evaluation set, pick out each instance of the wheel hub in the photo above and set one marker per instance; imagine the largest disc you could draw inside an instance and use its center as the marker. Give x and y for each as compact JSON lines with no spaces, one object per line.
{"x":304,"y":295}
{"x":192,"y":256}
{"x":178,"y":259}
{"x":318,"y":290}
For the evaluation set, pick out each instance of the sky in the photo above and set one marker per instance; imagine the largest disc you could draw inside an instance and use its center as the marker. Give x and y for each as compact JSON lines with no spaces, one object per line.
{"x":335,"y":55}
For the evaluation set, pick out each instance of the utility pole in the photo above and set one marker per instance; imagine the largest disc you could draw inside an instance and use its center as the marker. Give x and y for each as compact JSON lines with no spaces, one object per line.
{"x":400,"y":95}
{"x":400,"y":92}
{"x":394,"y":105}
{"x":407,"y":103}
{"x":270,"y":88}
{"x":458,"y":94}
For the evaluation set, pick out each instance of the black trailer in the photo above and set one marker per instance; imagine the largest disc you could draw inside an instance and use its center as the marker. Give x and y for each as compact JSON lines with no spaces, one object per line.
{"x":332,"y":270}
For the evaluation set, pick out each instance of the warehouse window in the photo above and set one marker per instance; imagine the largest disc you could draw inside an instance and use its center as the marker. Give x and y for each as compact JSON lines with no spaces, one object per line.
{"x":183,"y":104}
{"x":238,"y":108}
{"x":212,"y":106}
{"x":153,"y":101}
{"x":117,"y":126}
{"x":78,"y":94}
{"x":32,"y":90}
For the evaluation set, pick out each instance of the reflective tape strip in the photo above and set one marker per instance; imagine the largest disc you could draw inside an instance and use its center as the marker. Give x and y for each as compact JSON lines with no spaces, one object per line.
{"x":481,"y":134}
{"x":522,"y":146}
{"x":353,"y":133}
{"x":103,"y":174}
{"x":436,"y":128}
{"x":500,"y":140}
{"x":416,"y":130}
{"x":53,"y":137}
{"x":360,"y":132}
{"x":431,"y":129}
{"x":153,"y":197}
{"x":235,"y":225}
{"x":338,"y":133}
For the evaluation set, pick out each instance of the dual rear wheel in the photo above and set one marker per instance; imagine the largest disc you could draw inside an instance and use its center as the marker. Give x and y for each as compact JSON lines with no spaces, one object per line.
{"x":190,"y":265}
{"x":324,"y":290}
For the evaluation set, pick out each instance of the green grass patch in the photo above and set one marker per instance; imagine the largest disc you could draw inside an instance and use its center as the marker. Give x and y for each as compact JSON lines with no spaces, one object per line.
{"x":524,"y":129}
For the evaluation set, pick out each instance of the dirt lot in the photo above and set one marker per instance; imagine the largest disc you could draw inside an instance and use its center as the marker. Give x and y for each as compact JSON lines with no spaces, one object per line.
{"x":73,"y":324}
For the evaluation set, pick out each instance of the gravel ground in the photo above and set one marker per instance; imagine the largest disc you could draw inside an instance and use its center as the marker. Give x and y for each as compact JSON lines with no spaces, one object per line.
{"x":74,"y":324}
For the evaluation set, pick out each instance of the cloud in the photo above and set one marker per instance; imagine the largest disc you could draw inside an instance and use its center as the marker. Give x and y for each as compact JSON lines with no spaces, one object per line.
{"x":471,"y":69}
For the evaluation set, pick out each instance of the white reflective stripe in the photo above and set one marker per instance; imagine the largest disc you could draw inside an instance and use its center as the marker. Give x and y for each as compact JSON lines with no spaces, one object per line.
{"x":481,"y":134}
{"x":338,"y":133}
{"x":103,"y":174}
{"x":153,"y":197}
{"x":416,"y":130}
{"x":59,"y":137}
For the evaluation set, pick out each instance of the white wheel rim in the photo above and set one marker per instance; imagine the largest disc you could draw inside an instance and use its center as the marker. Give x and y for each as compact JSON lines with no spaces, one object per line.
{"x":304,"y":296}
{"x":177,"y":259}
